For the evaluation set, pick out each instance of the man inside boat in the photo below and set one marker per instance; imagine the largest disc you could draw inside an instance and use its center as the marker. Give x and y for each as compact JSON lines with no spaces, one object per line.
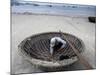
{"x":56,"y":43}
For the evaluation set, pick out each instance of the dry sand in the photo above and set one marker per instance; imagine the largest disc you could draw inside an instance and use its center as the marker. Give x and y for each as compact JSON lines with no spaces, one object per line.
{"x":26,"y":25}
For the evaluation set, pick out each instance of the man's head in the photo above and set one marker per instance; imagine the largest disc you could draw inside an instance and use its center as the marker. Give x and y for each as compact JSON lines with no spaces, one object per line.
{"x":56,"y":43}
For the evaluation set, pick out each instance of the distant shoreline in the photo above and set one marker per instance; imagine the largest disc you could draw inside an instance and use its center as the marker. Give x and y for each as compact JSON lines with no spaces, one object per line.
{"x":31,"y":8}
{"x":28,"y":13}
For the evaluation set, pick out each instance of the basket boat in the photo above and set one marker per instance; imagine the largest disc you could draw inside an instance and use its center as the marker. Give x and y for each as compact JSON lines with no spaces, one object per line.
{"x":36,"y":48}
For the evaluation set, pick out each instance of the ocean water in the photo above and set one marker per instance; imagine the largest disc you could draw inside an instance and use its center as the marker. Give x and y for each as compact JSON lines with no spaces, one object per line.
{"x":53,"y":8}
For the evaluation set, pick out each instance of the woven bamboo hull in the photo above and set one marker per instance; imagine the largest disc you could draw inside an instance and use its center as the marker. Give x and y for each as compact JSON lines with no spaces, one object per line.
{"x":36,"y":50}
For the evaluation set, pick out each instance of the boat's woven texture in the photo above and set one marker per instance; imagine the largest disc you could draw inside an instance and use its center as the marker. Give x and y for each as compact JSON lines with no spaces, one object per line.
{"x":37,"y":46}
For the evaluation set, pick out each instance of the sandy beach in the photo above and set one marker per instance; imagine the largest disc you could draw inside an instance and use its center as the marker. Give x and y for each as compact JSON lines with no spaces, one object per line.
{"x":26,"y":25}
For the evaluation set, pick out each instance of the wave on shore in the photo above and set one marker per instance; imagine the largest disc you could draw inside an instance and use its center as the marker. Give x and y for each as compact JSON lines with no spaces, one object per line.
{"x":29,"y":7}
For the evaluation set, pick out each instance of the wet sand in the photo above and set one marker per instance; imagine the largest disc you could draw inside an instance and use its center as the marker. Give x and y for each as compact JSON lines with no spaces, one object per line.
{"x":26,"y":25}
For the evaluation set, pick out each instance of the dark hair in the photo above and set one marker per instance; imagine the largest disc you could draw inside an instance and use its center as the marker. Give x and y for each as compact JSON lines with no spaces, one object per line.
{"x":57,"y":45}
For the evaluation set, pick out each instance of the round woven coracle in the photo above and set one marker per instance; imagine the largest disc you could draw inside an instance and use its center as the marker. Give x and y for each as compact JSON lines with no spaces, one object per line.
{"x":36,"y":49}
